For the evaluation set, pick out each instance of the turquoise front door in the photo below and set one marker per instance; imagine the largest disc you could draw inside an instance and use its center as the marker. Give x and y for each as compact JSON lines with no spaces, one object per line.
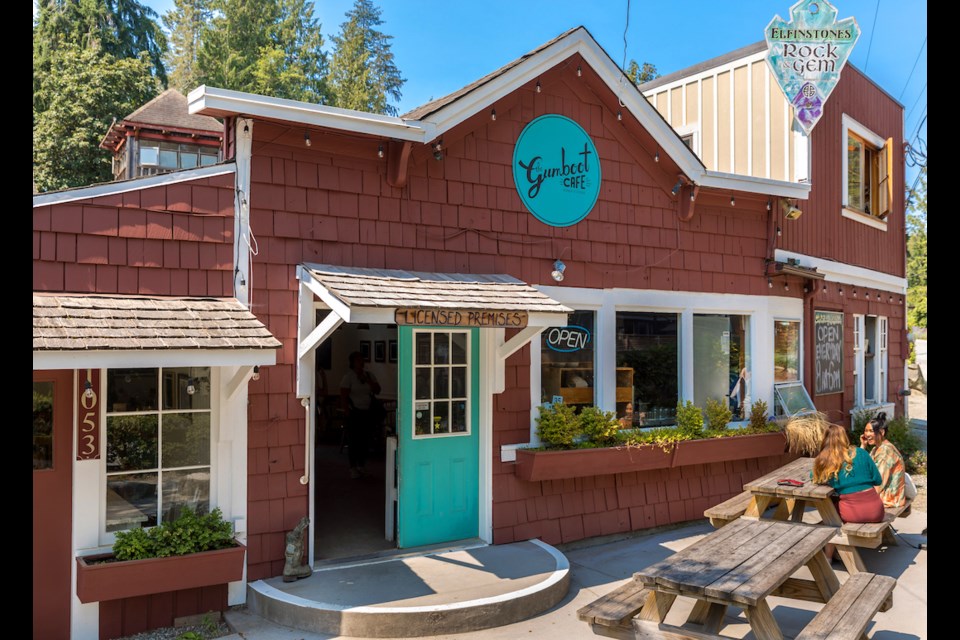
{"x":438,"y":449}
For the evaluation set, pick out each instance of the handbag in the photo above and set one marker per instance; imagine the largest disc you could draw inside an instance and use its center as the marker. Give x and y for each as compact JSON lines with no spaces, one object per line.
{"x":909,"y":489}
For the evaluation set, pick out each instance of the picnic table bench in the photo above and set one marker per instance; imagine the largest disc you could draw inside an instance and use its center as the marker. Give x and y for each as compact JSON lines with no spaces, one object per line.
{"x":741,"y":565}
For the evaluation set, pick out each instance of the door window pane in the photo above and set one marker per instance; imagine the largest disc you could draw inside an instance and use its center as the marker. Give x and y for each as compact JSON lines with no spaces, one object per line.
{"x":42,"y":425}
{"x":647,"y":353}
{"x":441,"y":388}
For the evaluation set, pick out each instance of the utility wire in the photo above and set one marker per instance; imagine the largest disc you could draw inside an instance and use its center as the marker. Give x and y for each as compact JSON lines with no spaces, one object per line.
{"x":873,"y":30}
{"x":914,"y":67}
{"x":907,"y":119}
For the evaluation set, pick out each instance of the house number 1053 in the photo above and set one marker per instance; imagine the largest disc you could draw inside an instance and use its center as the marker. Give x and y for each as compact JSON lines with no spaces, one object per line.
{"x":88,"y":415}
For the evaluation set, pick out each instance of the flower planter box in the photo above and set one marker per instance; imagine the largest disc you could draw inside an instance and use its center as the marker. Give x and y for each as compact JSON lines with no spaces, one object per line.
{"x":758,"y":445}
{"x":100,"y":581}
{"x":535,"y":466}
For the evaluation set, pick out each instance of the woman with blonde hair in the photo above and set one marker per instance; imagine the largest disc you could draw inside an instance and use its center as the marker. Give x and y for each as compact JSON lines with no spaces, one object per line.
{"x":853,"y":475}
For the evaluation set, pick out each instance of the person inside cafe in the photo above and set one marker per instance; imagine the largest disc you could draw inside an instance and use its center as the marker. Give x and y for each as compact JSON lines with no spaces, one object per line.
{"x":357,"y":391}
{"x":854,"y":477}
{"x":889,"y":461}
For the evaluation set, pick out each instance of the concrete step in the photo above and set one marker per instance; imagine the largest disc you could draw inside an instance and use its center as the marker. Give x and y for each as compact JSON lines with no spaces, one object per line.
{"x":433,"y":593}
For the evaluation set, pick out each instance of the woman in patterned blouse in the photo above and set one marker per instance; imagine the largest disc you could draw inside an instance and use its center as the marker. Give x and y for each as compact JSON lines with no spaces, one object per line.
{"x":889,"y":461}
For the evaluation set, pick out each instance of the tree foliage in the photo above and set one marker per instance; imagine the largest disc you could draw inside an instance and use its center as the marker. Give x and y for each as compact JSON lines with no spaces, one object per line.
{"x":268,"y":47}
{"x":917,"y":254}
{"x":639,"y":74}
{"x":363,"y":75}
{"x":185,"y":24}
{"x":120,"y":28}
{"x":74,"y":106}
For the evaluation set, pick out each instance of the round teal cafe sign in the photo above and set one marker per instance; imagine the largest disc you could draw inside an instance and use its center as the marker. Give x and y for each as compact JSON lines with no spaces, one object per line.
{"x":556,"y":170}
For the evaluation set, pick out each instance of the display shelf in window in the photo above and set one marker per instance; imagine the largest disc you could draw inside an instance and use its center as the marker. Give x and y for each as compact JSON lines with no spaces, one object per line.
{"x":577,"y":385}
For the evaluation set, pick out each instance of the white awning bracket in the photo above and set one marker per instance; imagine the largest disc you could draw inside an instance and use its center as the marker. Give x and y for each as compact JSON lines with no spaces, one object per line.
{"x":505,"y":349}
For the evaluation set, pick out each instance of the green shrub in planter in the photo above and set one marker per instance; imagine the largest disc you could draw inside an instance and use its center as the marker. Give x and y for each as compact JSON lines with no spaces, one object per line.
{"x":600,"y":427}
{"x":189,"y":533}
{"x":758,"y":415}
{"x":689,"y":419}
{"x":717,"y":414}
{"x":558,"y":425}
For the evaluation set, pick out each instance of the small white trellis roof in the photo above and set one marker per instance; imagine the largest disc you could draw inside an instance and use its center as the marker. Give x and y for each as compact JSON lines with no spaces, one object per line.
{"x":110,"y":330}
{"x":358,"y":288}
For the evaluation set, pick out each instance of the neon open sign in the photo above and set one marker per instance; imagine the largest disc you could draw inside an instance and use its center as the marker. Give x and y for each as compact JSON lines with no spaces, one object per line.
{"x":568,"y":339}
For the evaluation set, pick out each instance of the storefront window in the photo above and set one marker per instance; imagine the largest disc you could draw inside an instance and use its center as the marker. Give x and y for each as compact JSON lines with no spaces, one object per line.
{"x":567,"y":361}
{"x":648,"y":368}
{"x":158,"y":445}
{"x":786,"y":351}
{"x":721,"y":361}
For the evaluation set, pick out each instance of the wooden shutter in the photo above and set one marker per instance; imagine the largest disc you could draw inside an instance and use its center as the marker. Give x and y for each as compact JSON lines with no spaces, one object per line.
{"x":885,"y":179}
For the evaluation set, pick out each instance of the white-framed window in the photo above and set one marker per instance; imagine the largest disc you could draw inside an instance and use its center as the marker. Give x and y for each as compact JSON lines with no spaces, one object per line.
{"x":721,"y":361}
{"x":786,"y":363}
{"x":690,"y":135}
{"x":870,"y":375}
{"x":155,"y":157}
{"x":648,"y":367}
{"x":159,"y":438}
{"x":568,"y":361}
{"x":441,"y":383}
{"x":867,"y":176}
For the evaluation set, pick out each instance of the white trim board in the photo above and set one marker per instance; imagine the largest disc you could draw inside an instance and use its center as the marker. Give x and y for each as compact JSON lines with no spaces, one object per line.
{"x":134,"y":184}
{"x":153,"y":358}
{"x":847,"y":274}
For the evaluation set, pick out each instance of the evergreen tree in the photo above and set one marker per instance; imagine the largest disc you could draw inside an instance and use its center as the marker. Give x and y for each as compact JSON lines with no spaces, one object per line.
{"x":185,"y":23}
{"x":269,"y":47}
{"x":638,"y":75}
{"x":120,"y":28}
{"x":917,"y":254}
{"x":363,"y":75}
{"x":82,"y":93}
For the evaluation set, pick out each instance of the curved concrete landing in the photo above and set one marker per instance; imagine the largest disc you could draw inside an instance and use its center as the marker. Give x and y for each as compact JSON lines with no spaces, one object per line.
{"x":454,"y":591}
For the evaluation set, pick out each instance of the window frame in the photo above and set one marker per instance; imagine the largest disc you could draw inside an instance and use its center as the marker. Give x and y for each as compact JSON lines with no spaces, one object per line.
{"x":876,"y":160}
{"x":107,"y":538}
{"x":468,"y":399}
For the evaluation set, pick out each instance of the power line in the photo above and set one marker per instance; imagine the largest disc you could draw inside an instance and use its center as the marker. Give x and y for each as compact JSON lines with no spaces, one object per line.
{"x":917,"y":101}
{"x":916,"y":132}
{"x":914,"y":67}
{"x":873,"y":30}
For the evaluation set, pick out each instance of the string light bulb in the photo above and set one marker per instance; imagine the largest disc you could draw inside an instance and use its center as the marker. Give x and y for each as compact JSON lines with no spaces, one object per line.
{"x":306,"y":138}
{"x":88,"y":390}
{"x":769,"y":283}
{"x":256,"y":373}
{"x":786,"y":287}
{"x":841,"y":290}
{"x":380,"y":151}
{"x":824,"y":288}
{"x":768,"y":205}
{"x":733,"y":201}
{"x":656,"y":156}
{"x":438,"y":150}
{"x":538,"y":86}
{"x":779,"y":231}
{"x":493,"y":114}
{"x":191,"y":386}
{"x":579,"y":71}
{"x":619,"y":115}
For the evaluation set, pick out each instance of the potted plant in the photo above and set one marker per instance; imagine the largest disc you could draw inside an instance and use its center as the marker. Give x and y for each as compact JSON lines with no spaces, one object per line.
{"x":192,"y":551}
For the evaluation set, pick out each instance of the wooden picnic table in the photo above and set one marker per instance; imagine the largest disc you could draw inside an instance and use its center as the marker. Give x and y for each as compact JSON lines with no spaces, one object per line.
{"x":794,"y":501}
{"x":741,"y":564}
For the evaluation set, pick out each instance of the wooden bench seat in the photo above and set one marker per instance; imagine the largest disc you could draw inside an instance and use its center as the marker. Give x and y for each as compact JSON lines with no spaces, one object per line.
{"x":611,"y":615}
{"x":850,"y":610}
{"x":872,"y":534}
{"x":728,"y":510}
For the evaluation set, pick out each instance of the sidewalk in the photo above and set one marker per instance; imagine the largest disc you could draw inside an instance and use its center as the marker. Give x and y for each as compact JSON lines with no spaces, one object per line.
{"x":597,"y":567}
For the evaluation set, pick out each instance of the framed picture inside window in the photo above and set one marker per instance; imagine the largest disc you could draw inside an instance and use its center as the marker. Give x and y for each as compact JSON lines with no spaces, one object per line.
{"x":380,"y":351}
{"x":365,"y":350}
{"x":392,"y":351}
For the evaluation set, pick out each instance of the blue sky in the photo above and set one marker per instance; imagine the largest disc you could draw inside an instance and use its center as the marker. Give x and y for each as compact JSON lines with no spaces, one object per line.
{"x":442,"y":45}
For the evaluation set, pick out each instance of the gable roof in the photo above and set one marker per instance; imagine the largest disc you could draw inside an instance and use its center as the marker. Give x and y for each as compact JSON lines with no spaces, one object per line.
{"x":170,"y":108}
{"x":428,"y":122}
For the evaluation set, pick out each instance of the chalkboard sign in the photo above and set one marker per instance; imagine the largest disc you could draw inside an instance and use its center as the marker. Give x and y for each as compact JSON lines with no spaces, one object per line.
{"x":828,"y":343}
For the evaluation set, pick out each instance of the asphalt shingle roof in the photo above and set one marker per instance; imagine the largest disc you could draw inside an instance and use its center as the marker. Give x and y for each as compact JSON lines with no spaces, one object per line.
{"x":63,"y":322}
{"x":391,"y":288}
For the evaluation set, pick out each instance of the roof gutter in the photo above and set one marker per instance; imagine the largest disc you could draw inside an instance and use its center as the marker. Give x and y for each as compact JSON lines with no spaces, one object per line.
{"x":211,"y":101}
{"x":752,"y":184}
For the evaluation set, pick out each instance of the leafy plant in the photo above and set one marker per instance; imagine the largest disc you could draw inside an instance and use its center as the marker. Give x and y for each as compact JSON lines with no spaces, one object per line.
{"x":189,"y":533}
{"x":689,"y":418}
{"x":558,"y":425}
{"x":600,"y":427}
{"x":758,"y":415}
{"x":717,"y":413}
{"x":917,"y":463}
